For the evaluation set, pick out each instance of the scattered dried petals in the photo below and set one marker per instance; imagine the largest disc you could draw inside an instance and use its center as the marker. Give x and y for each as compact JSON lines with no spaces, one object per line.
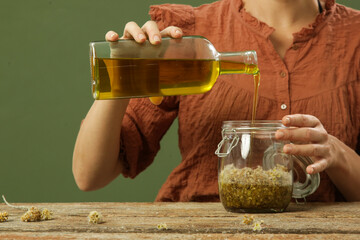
{"x":95,"y":217}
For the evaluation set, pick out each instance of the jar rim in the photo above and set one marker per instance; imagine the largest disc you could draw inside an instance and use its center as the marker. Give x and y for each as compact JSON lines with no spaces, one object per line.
{"x":248,"y":125}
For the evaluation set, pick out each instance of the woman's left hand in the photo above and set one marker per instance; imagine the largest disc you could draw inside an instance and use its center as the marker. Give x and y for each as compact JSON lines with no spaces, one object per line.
{"x":309,"y":138}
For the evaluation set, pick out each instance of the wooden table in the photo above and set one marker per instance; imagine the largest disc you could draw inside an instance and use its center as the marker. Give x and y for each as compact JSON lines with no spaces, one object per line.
{"x":184,"y":221}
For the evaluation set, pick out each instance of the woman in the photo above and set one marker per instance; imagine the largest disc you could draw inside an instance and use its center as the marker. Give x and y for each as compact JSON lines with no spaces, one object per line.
{"x":309,"y":58}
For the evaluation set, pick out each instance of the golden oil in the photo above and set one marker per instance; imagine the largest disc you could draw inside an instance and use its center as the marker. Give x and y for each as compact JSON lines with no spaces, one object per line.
{"x":134,"y":77}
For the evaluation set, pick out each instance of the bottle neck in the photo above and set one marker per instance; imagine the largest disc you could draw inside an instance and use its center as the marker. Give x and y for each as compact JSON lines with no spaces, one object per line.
{"x":238,"y":62}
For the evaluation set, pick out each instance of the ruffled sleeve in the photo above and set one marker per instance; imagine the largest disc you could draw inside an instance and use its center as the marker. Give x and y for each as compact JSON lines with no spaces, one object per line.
{"x":178,"y":15}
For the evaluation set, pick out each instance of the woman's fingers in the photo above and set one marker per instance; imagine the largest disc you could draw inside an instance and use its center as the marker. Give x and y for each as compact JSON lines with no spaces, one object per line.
{"x":309,"y":138}
{"x":172,"y":31}
{"x":317,"y":167}
{"x":304,"y":135}
{"x":300,"y":120}
{"x":302,"y":129}
{"x":111,"y":36}
{"x":133,"y":31}
{"x":311,"y":150}
{"x":151,"y":29}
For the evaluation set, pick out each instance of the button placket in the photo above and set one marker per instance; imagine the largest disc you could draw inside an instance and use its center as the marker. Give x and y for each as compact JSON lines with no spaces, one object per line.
{"x":284,"y":104}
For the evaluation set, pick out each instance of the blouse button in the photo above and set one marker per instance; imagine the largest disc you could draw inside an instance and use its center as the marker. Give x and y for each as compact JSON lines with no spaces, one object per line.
{"x":283,"y":74}
{"x":283,"y":106}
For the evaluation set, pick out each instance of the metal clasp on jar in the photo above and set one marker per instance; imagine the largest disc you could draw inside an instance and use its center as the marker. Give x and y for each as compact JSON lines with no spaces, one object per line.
{"x":233,"y":143}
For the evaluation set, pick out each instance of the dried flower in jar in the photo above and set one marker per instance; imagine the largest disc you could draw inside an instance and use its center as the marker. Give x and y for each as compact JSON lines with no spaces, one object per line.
{"x":247,"y":189}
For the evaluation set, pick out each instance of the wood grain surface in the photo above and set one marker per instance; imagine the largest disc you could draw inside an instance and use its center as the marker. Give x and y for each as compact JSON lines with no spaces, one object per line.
{"x":184,"y":221}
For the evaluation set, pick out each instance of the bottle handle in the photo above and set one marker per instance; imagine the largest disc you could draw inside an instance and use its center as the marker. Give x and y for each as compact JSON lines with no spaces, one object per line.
{"x":311,"y":183}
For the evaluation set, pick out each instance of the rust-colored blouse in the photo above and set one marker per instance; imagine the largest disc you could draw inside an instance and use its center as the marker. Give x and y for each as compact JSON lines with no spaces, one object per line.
{"x":319,"y":75}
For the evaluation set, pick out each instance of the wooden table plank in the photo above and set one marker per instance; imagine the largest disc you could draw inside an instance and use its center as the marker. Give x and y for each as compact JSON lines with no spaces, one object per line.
{"x":172,"y":236}
{"x":184,"y":221}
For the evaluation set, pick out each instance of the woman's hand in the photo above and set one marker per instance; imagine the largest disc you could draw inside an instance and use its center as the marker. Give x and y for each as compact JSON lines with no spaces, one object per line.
{"x":149,"y":31}
{"x":309,"y":138}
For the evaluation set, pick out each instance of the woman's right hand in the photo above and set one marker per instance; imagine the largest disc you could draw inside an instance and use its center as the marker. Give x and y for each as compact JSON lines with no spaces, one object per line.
{"x":148,"y":31}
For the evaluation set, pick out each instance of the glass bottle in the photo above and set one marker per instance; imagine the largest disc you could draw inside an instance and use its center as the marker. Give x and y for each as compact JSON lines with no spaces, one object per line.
{"x":190,"y":65}
{"x":254,"y":173}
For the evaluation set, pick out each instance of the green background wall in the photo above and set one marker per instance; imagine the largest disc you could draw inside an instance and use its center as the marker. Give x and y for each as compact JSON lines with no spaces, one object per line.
{"x":45,"y":93}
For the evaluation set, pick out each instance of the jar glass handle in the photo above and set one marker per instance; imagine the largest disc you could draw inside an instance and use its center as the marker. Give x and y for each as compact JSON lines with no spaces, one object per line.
{"x":311,"y":183}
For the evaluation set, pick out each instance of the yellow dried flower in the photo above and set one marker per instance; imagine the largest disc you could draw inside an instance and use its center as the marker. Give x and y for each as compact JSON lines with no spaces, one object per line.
{"x":257,"y":226}
{"x":32,"y":215}
{"x":95,"y":217}
{"x":162,"y":226}
{"x":46,"y":214}
{"x":248,"y":219}
{"x":4,"y":216}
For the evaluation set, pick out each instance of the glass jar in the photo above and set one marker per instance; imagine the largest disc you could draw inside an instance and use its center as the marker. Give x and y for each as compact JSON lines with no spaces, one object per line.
{"x":189,"y":65}
{"x":254,"y":173}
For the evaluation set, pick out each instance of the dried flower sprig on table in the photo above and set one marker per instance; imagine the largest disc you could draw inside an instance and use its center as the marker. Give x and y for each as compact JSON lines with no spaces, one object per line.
{"x":46,"y":214}
{"x":257,"y":225}
{"x":4,"y":216}
{"x":162,"y":226}
{"x":95,"y":217}
{"x":32,"y":214}
{"x":248,"y":220}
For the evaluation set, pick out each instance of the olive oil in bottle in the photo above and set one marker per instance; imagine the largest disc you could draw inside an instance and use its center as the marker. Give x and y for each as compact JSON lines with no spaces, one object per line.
{"x":124,"y":78}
